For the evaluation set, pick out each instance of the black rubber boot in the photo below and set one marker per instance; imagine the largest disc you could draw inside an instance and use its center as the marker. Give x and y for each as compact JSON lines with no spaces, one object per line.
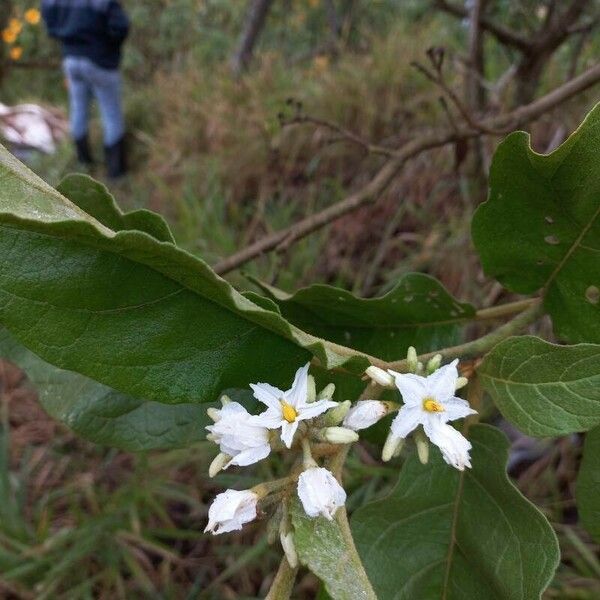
{"x":116,"y":163}
{"x":84,"y":155}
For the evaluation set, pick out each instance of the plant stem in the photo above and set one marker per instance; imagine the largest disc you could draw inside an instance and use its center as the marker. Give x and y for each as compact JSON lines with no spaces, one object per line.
{"x":283,"y":584}
{"x":510,"y":308}
{"x":482,"y":344}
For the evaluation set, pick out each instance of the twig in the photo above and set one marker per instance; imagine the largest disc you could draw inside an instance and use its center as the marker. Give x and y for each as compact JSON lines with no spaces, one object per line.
{"x":390,"y":169}
{"x":482,"y":344}
{"x":341,"y":131}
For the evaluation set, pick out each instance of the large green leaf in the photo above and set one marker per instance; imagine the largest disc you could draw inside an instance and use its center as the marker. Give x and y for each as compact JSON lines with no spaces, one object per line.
{"x":418,"y":312}
{"x":588,"y":485}
{"x":443,"y":534}
{"x":139,"y":315}
{"x":103,"y":415}
{"x":322,"y":548}
{"x":540,"y":228}
{"x":542,"y":388}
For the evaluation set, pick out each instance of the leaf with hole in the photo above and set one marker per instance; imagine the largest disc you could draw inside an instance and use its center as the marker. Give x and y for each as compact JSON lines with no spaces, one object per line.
{"x":443,"y":534}
{"x":540,"y":228}
{"x":542,"y":388}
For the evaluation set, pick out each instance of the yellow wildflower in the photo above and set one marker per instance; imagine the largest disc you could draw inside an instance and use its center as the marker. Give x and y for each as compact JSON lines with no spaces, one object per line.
{"x":32,"y":16}
{"x":16,"y":52}
{"x":8,"y":36}
{"x":15,"y":26}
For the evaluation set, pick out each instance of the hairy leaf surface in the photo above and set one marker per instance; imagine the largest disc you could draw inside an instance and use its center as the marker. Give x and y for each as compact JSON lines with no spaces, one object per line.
{"x":540,"y":228}
{"x":139,"y":315}
{"x":321,"y":547}
{"x":446,"y":535}
{"x":542,"y":388}
{"x":103,"y":415}
{"x":418,"y":312}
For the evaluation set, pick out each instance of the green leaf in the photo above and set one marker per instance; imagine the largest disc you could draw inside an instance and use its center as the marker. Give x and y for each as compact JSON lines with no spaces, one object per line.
{"x":588,"y":485}
{"x":322,"y":548}
{"x":443,"y":534}
{"x":103,"y":415}
{"x":94,"y":198}
{"x":542,"y":388}
{"x":141,"y":316}
{"x":418,"y":312}
{"x":540,"y":228}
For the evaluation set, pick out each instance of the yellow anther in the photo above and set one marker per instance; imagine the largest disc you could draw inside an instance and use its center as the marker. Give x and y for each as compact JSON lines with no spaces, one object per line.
{"x":289,"y":412}
{"x":430,"y":405}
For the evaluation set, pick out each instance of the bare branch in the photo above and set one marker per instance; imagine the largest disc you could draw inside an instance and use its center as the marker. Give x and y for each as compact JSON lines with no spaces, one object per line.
{"x":393,"y":165}
{"x":503,"y":34}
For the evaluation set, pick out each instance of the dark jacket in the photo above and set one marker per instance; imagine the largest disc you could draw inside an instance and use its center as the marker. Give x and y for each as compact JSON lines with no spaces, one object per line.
{"x":94,"y":29}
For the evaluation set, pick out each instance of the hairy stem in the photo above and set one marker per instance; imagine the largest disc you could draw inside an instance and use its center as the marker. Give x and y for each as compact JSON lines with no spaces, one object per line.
{"x":482,"y":344}
{"x":283,"y":584}
{"x":503,"y":310}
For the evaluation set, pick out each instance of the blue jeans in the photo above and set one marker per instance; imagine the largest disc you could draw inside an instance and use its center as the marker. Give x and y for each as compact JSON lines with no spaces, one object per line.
{"x":86,"y":81}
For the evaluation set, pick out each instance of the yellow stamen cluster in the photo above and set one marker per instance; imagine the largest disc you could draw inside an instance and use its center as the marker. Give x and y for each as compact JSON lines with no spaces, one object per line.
{"x":431,"y":405}
{"x":289,"y":412}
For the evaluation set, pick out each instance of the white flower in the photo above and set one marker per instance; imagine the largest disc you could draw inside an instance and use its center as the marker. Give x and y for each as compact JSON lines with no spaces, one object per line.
{"x":245,"y":442}
{"x":364,"y":414}
{"x":287,"y":409}
{"x":430,"y":402}
{"x":230,"y":510}
{"x":320,"y":492}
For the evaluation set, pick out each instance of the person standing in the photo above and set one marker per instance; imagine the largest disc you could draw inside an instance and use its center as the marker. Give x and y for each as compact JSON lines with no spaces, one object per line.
{"x":91,"y":33}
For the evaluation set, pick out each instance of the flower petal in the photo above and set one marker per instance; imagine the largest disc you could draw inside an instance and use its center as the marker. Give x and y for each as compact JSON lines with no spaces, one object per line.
{"x":271,"y":419}
{"x":406,"y":420}
{"x":296,"y":396}
{"x":250,"y":456}
{"x":314,"y":409}
{"x":287,"y":432}
{"x":456,"y":408}
{"x":268,"y":394}
{"x":412,"y":387}
{"x":454,"y":446}
{"x":441,"y":384}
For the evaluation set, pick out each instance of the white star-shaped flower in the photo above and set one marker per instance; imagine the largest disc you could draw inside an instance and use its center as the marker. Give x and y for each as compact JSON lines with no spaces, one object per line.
{"x":244,"y":442}
{"x":230,"y":510}
{"x":430,"y":402}
{"x":320,"y":492}
{"x":286,"y":409}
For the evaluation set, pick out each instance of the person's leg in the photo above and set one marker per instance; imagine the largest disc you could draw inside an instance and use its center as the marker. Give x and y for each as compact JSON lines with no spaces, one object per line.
{"x":107,"y":90}
{"x":80,"y":95}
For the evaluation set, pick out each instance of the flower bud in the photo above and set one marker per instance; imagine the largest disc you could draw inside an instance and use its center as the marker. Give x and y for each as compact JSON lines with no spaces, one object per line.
{"x":218,"y":464}
{"x":230,"y":510}
{"x":422,"y":444}
{"x":289,"y":549}
{"x":434,"y":364}
{"x":461,"y":382}
{"x":213,"y":413}
{"x":392,"y":444}
{"x":327,"y":392}
{"x":225,"y":399}
{"x":380,"y":376}
{"x":364,"y":414}
{"x":320,"y":493}
{"x":311,"y":389}
{"x":338,"y":435}
{"x":336,"y":415}
{"x":411,"y":360}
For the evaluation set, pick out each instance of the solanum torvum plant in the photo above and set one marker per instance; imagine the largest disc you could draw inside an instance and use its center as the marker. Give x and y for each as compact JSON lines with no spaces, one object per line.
{"x":135,"y":343}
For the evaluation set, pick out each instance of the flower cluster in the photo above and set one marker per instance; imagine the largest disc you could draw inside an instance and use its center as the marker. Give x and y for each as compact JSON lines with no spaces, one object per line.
{"x":300,"y":420}
{"x":10,"y":34}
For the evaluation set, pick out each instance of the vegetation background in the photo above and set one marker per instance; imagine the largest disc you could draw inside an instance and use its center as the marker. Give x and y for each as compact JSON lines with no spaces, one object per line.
{"x":219,"y":155}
